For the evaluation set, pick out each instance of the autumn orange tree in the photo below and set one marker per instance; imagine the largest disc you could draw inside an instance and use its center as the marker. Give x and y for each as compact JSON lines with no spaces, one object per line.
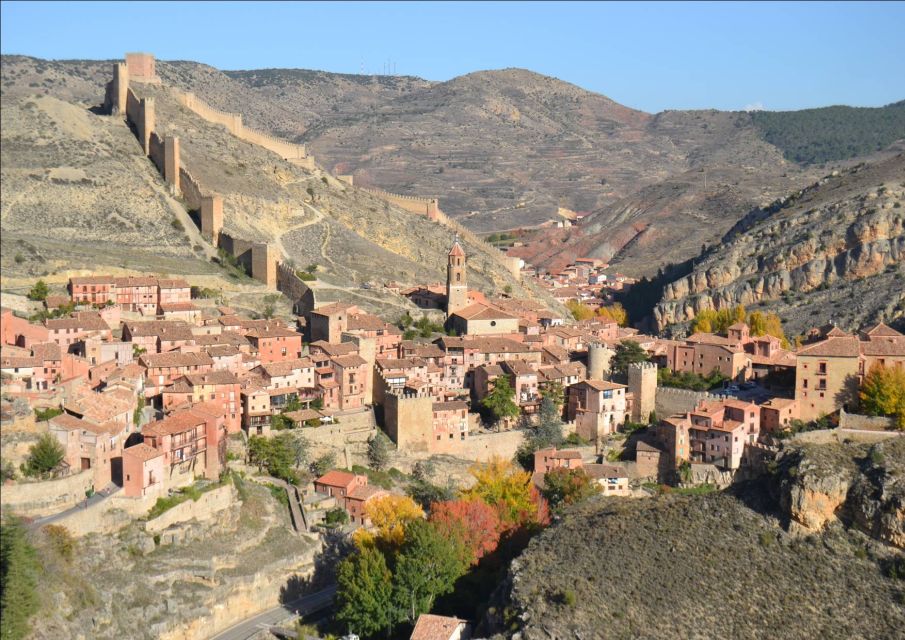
{"x":475,"y":522}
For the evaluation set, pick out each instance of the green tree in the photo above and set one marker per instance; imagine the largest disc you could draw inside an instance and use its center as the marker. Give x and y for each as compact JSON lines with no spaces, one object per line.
{"x":501,"y":400}
{"x":364,"y":593}
{"x":379,"y":451}
{"x":39,"y":291}
{"x":44,"y":456}
{"x":18,"y":581}
{"x":563,"y":487}
{"x":627,"y":352}
{"x":427,"y":566}
{"x":323,"y":464}
{"x":554,"y":390}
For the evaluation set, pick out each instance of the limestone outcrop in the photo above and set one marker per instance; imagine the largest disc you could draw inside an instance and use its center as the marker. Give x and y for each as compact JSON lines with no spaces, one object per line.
{"x":845,"y":229}
{"x":860,"y":486}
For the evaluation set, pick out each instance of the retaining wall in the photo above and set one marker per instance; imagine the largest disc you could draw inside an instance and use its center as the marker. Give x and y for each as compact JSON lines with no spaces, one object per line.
{"x":206,"y":506}
{"x":39,"y":499}
{"x":870,"y":423}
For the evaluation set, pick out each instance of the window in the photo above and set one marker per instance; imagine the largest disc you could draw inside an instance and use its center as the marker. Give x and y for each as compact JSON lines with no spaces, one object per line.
{"x":821,"y":368}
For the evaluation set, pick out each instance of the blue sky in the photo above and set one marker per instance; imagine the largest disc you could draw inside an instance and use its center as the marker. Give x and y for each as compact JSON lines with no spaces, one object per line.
{"x":650,"y":56}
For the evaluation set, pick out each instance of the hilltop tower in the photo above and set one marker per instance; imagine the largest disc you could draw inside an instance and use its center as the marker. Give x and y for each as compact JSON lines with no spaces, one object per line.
{"x":456,"y":285}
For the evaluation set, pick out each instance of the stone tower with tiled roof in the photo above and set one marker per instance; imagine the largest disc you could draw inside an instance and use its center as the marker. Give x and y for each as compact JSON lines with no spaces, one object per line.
{"x":456,"y":284}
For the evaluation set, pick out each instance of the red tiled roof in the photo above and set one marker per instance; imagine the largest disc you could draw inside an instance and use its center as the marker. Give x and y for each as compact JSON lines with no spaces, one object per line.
{"x":142,"y":451}
{"x":841,"y":347}
{"x":433,"y":627}
{"x":336,"y":478}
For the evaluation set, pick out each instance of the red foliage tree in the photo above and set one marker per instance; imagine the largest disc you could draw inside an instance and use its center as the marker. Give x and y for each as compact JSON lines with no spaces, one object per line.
{"x":472,"y":520}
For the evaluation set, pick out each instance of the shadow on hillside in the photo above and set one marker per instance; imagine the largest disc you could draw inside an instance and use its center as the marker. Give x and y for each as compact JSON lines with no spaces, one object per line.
{"x":336,"y":547}
{"x":759,"y":495}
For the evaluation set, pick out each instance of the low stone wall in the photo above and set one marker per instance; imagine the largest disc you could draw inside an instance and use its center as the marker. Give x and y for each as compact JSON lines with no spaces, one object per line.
{"x":39,"y":499}
{"x":671,"y":401}
{"x":868,"y":423}
{"x":828,"y":436}
{"x":205,"y":507}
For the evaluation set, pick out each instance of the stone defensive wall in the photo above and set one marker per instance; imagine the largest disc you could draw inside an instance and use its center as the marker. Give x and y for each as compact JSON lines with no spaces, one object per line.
{"x":44,"y":498}
{"x":671,"y":401}
{"x":428,"y":207}
{"x":294,"y":288}
{"x":258,"y":259}
{"x":295,"y":153}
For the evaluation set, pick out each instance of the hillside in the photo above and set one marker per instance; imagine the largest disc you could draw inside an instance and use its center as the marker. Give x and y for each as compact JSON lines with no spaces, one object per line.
{"x":122,"y":216}
{"x":834,"y":251}
{"x":718,"y":565}
{"x":832,"y":133}
{"x":505,"y":149}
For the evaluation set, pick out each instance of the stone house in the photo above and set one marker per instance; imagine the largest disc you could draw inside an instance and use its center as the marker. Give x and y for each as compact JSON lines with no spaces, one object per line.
{"x":339,"y":484}
{"x":357,"y":499}
{"x":275,"y":343}
{"x":434,"y":627}
{"x":353,"y":376}
{"x":91,"y":446}
{"x":598,"y":408}
{"x":219,"y":387}
{"x":551,"y":458}
{"x":613,"y":480}
{"x":482,"y":320}
{"x":193,"y":443}
{"x":329,"y":321}
{"x":162,"y":369}
{"x":144,"y":471}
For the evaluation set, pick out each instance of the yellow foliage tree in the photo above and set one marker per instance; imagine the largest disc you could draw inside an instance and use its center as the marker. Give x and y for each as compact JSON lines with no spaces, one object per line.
{"x":615,"y":312}
{"x":883,"y":392}
{"x":579,"y":310}
{"x":504,"y":487}
{"x":389,"y":515}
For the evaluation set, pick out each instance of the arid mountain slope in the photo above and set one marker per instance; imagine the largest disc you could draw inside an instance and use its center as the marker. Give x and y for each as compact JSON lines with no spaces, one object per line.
{"x":838,"y":245}
{"x":82,"y":174}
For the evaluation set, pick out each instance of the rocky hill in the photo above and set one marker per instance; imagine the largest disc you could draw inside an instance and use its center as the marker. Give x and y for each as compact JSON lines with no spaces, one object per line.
{"x":833,"y":251}
{"x":720,"y":565}
{"x":506,"y":149}
{"x":87,"y":179}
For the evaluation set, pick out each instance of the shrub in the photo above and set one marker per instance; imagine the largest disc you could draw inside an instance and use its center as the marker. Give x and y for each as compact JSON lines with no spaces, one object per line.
{"x":61,"y":541}
{"x":43,"y":415}
{"x":177,"y":224}
{"x":39,"y":291}
{"x":336,"y":517}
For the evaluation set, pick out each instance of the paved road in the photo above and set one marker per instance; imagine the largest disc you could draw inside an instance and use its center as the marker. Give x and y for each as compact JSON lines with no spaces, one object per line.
{"x":99,"y":496}
{"x":302,"y":606}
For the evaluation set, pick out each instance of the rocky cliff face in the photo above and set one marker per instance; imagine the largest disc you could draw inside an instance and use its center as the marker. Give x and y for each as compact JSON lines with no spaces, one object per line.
{"x":861,"y":486}
{"x":846,"y":228}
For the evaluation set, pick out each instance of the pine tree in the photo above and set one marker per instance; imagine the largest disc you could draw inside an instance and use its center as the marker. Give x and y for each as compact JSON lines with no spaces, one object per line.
{"x":501,"y":400}
{"x":379,"y":451}
{"x":18,"y":581}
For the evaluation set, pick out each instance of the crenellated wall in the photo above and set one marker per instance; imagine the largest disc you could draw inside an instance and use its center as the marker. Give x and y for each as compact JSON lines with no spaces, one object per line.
{"x":257,"y":258}
{"x":428,"y":207}
{"x":140,"y":112}
{"x":294,"y":153}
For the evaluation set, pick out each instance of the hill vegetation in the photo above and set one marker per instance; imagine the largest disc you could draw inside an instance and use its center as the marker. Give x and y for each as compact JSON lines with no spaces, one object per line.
{"x":813,"y":136}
